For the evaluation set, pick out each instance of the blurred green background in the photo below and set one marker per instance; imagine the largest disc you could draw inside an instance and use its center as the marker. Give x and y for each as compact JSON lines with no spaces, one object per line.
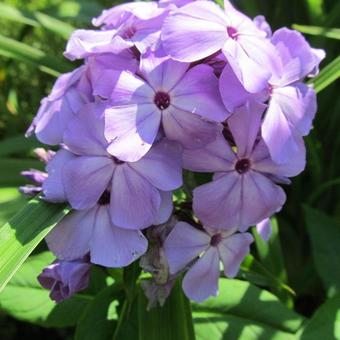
{"x":32,"y":39}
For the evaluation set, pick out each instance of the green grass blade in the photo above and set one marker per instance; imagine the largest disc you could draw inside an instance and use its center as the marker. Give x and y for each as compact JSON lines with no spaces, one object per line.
{"x":21,"y":235}
{"x":9,"y":12}
{"x":17,"y":50}
{"x":333,"y":33}
{"x":172,"y":321}
{"x":327,"y":76}
{"x":55,"y":25}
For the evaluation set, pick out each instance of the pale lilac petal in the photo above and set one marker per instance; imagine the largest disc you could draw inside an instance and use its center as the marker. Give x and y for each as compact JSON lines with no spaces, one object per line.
{"x":234,"y":200}
{"x":162,"y":165}
{"x":161,"y":72}
{"x":132,"y":130}
{"x":85,"y":132}
{"x":232,"y":251}
{"x":214,"y":157}
{"x":184,"y":244}
{"x":53,"y":187}
{"x":262,"y":161}
{"x":262,"y":24}
{"x":278,"y":135}
{"x":53,"y":116}
{"x":112,"y":246}
{"x":298,"y":103}
{"x":195,"y":31}
{"x":70,"y":239}
{"x":217,"y":204}
{"x":319,"y":56}
{"x":292,"y":45}
{"x":85,"y":179}
{"x":201,"y":281}
{"x":232,"y":91}
{"x":123,"y":87}
{"x":135,"y":203}
{"x":244,"y":125}
{"x":166,"y":207}
{"x":198,"y":93}
{"x":253,"y":77}
{"x":84,"y":43}
{"x":264,"y":229}
{"x":260,"y":198}
{"x":187,"y":128}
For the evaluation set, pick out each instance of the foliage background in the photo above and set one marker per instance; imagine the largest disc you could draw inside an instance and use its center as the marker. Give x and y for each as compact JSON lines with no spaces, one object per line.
{"x":304,"y":254}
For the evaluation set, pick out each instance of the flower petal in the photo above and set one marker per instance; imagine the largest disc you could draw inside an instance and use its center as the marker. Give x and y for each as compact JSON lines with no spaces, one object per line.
{"x":195,"y":31}
{"x":135,"y":202}
{"x":132,"y":130}
{"x":85,"y":132}
{"x":198,"y":93}
{"x":162,"y":165}
{"x":244,"y":125}
{"x":214,"y":157}
{"x":190,"y":130}
{"x":184,"y":244}
{"x":166,"y":207}
{"x":85,"y":179}
{"x":201,"y":281}
{"x":70,"y":239}
{"x":232,"y":251}
{"x":112,"y":246}
{"x":53,"y":187}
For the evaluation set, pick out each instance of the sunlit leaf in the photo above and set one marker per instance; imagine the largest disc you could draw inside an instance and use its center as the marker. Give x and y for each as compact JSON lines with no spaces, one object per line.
{"x":333,"y":33}
{"x":21,"y":235}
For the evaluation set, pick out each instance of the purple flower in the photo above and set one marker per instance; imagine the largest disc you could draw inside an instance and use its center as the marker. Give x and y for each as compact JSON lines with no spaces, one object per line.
{"x":264,"y":229}
{"x":140,"y":192}
{"x":138,"y":23}
{"x":70,"y":92}
{"x":243,"y":191}
{"x":170,"y":94}
{"x":65,"y":278}
{"x":207,"y":248}
{"x":201,"y":28}
{"x":292,"y":104}
{"x":92,"y":231}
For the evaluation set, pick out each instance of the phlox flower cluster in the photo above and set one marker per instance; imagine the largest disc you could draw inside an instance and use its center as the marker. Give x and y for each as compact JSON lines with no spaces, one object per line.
{"x":166,"y":86}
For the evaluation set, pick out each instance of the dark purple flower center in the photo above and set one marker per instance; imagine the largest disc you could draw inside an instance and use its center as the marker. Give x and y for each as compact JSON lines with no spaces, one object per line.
{"x":232,"y":32}
{"x":242,"y":165}
{"x":215,"y":240}
{"x":116,"y":160}
{"x":104,"y":198}
{"x":162,"y":100}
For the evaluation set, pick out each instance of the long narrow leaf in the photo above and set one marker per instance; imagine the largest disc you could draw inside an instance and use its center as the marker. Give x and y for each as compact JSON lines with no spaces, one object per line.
{"x":333,"y":33}
{"x":14,"y":14}
{"x":170,"y":322}
{"x":17,"y":50}
{"x":327,"y":76}
{"x":21,"y":235}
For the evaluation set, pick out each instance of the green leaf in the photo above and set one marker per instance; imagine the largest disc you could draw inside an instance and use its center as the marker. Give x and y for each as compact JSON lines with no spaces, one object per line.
{"x":170,"y":322}
{"x":324,"y":233}
{"x":325,"y":323}
{"x":17,"y":144}
{"x":270,"y":255}
{"x":333,"y":33}
{"x":244,"y":312}
{"x":130,"y":276}
{"x":26,"y":300}
{"x":21,"y":235}
{"x":17,"y":50}
{"x":11,"y":201}
{"x":11,"y":13}
{"x":95,"y":322}
{"x":327,"y":76}
{"x":11,"y":168}
{"x":55,"y":25}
